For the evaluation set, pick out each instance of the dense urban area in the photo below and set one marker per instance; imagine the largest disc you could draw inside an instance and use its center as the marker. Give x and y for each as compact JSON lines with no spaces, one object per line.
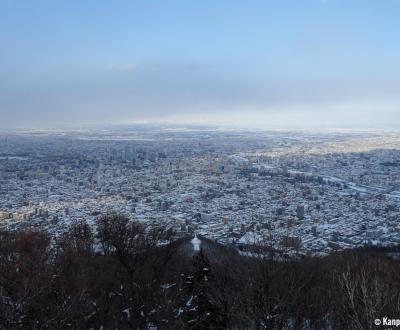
{"x":306,"y":192}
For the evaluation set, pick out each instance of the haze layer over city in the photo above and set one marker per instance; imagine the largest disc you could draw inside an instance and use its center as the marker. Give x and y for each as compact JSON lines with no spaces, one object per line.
{"x":178,"y":148}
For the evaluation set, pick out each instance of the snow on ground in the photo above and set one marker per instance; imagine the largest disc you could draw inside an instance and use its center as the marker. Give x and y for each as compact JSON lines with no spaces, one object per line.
{"x":196,"y":243}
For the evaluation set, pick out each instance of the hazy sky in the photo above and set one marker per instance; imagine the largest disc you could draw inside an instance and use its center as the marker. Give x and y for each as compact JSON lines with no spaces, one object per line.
{"x":324,"y":63}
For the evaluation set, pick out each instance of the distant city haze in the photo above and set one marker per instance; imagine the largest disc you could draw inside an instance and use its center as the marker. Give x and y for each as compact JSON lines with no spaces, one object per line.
{"x":262,"y":64}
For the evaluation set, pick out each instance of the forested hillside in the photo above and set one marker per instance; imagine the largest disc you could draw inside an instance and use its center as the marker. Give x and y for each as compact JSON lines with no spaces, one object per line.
{"x":126,"y":276}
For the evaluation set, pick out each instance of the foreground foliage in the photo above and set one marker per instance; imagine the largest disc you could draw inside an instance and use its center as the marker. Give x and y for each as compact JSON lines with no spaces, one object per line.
{"x":119,"y":276}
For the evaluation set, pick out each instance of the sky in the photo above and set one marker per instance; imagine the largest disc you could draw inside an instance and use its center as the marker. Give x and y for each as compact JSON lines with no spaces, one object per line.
{"x":281,"y":63}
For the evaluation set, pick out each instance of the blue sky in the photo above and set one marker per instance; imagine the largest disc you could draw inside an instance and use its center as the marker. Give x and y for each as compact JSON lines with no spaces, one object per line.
{"x":324,"y":63}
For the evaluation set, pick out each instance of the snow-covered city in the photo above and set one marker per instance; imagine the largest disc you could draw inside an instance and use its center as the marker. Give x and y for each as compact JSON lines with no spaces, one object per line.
{"x":306,"y":192}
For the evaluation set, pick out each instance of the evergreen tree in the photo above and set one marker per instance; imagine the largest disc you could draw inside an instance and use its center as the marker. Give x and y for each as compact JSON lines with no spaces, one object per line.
{"x":200,"y":310}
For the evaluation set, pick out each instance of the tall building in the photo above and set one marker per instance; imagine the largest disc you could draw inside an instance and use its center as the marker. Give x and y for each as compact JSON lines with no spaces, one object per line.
{"x":300,"y":212}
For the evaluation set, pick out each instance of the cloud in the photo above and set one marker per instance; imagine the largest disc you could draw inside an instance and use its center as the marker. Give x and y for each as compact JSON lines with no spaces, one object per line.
{"x":195,"y":92}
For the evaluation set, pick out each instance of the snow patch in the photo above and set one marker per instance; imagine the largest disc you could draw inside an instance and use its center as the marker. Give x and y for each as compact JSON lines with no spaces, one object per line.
{"x":196,"y":243}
